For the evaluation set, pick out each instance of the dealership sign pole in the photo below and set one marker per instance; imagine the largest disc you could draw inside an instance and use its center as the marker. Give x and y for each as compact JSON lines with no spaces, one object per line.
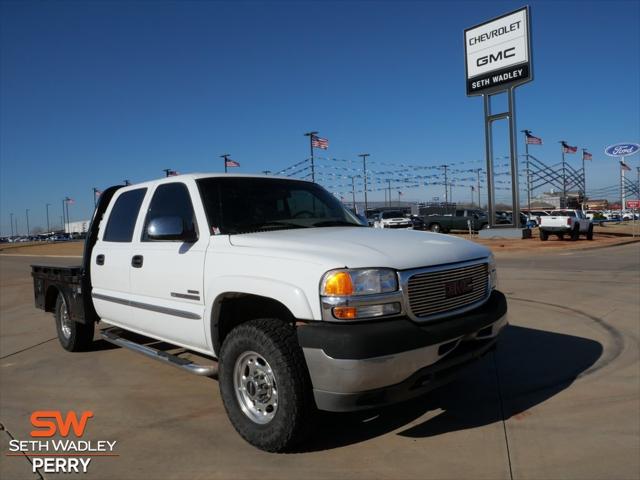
{"x":498,"y":59}
{"x":621,"y":150}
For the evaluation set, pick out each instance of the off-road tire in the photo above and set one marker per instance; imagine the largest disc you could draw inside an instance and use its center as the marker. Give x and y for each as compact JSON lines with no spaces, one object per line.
{"x":590,"y":232}
{"x":435,"y":227}
{"x":277,"y":342}
{"x":80,"y":337}
{"x":544,"y":236}
{"x":575,"y":233}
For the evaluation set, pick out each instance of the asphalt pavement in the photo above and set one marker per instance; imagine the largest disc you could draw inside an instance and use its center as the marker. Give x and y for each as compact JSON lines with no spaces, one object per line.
{"x":559,"y":398}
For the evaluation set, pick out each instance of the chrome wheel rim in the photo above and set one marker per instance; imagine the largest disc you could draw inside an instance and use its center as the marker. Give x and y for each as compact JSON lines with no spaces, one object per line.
{"x":255,"y":387}
{"x":65,"y":321}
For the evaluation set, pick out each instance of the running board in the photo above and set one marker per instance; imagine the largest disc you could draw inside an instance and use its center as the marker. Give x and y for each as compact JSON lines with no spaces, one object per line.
{"x":183,"y":363}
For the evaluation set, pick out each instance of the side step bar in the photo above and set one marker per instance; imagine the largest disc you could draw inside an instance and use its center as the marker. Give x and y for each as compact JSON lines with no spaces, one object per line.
{"x":183,"y":363}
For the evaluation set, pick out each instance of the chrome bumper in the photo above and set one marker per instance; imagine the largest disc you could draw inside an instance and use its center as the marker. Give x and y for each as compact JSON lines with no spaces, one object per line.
{"x":345,"y":384}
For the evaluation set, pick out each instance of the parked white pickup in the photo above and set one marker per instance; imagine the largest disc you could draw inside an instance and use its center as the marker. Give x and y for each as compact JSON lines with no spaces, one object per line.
{"x":566,"y":222}
{"x":301,"y":305}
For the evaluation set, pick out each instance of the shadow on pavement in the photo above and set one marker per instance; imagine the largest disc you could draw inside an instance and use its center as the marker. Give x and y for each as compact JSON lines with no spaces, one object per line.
{"x":528,"y":367}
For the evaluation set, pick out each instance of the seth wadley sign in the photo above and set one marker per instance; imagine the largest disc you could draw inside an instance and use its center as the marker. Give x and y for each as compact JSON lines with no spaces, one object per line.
{"x":498,"y":53}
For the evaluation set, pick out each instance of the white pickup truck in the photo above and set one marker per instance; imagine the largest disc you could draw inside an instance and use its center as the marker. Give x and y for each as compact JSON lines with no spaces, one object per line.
{"x":566,"y":222}
{"x":295,"y":304}
{"x":392,"y":219}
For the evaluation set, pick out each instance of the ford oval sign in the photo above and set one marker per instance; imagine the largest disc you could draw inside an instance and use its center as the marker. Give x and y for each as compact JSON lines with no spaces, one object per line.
{"x":622,"y":149}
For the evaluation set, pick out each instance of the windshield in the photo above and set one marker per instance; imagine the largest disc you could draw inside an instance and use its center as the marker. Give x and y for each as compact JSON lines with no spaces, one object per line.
{"x":243,"y":205}
{"x":393,"y":214}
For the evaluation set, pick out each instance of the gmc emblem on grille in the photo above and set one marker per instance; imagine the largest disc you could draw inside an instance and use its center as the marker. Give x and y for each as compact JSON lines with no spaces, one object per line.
{"x":458,"y":287}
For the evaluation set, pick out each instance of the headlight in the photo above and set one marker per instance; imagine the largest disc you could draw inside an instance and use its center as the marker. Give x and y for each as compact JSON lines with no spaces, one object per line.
{"x":350,"y":294}
{"x":493,"y":273}
{"x":361,"y":281}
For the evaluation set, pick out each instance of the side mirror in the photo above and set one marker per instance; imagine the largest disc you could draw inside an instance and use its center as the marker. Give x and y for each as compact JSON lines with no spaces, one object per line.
{"x":169,"y":228}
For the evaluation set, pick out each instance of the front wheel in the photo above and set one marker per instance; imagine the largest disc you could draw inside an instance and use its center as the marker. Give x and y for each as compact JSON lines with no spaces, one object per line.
{"x":73,"y":336}
{"x":265,"y":385}
{"x":435,"y":227}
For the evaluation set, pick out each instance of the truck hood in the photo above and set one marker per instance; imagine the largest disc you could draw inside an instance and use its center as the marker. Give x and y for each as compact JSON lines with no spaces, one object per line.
{"x":357,"y":247}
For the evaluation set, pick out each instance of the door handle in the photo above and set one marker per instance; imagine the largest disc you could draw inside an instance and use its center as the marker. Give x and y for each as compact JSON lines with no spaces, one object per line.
{"x":100,"y":259}
{"x":136,"y":261}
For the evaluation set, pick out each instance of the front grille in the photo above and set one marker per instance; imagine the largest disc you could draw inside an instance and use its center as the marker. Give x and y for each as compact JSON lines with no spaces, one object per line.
{"x":432,"y":293}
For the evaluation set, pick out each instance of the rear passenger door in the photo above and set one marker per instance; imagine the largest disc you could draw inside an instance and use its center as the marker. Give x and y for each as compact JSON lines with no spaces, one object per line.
{"x":167,"y":278}
{"x":111,"y":258}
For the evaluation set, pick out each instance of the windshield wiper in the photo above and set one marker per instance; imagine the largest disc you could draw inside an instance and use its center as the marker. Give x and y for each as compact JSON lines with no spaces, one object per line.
{"x":259,"y":227}
{"x":336,"y":223}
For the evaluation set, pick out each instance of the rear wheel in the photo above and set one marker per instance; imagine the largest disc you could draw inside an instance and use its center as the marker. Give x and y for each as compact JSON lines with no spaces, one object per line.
{"x":265,"y":385}
{"x":575,"y":233}
{"x":435,"y":227}
{"x":73,"y":336}
{"x":544,"y":236}
{"x":560,"y":236}
{"x":590,"y":232}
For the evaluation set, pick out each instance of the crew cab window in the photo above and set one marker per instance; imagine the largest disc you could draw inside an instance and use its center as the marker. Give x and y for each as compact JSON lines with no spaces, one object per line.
{"x":122,"y":219}
{"x":171,"y":200}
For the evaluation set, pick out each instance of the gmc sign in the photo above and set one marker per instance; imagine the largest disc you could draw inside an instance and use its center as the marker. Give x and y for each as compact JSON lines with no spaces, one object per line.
{"x":498,"y":53}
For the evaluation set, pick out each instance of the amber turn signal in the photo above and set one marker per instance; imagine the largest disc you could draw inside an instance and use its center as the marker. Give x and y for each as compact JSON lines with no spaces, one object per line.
{"x":338,"y":284}
{"x":345,"y":313}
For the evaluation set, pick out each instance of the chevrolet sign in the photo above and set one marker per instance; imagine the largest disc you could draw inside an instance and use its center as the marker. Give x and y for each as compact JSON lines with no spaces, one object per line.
{"x":498,"y":53}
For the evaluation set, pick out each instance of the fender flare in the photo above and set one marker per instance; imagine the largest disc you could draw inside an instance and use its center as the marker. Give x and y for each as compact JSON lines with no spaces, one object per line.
{"x":289,"y":295}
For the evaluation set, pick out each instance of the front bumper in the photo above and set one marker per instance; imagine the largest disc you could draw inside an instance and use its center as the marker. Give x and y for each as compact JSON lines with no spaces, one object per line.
{"x":354,"y":367}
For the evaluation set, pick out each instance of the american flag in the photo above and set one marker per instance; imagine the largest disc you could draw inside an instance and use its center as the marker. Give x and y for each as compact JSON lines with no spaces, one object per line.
{"x":531,"y":139}
{"x":172,"y":173}
{"x":231,"y":163}
{"x":586,"y":155}
{"x":69,"y":200}
{"x":319,"y":142}
{"x":568,"y":148}
{"x":624,"y":166}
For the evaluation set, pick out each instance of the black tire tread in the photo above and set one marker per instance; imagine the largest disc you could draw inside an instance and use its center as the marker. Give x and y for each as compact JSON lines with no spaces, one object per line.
{"x":81,"y":333}
{"x":278,"y":341}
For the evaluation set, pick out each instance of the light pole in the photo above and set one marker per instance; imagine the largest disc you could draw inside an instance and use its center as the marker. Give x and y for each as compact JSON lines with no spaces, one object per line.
{"x":364,"y":168}
{"x":446,"y":192}
{"x":478,"y":172}
{"x":11,"y":218}
{"x":353,"y":192}
{"x":28,"y":230}
{"x":389,"y":189}
{"x":313,"y":166}
{"x":166,"y":171}
{"x":47,"y":207}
